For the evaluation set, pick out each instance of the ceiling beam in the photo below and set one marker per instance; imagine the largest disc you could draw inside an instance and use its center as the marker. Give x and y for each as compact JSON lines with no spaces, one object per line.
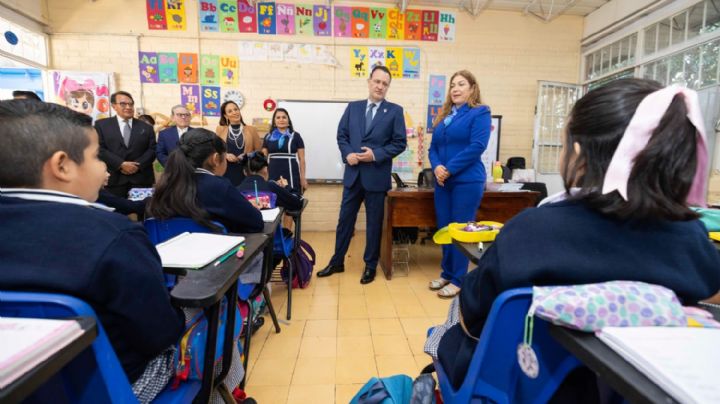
{"x":555,"y":9}
{"x":474,"y":7}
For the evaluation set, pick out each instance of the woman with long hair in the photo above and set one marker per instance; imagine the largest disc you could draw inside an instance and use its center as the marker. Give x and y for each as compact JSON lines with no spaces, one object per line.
{"x":285,"y":150}
{"x":239,"y":137}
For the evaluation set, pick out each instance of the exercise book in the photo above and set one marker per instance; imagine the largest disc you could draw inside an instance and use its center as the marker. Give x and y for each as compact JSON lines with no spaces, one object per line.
{"x":195,"y":250}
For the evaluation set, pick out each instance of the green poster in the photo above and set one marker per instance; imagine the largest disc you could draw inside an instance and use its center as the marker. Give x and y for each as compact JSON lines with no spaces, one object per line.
{"x":378,"y":23}
{"x":209,"y":70}
{"x":304,"y":19}
{"x":228,"y":15}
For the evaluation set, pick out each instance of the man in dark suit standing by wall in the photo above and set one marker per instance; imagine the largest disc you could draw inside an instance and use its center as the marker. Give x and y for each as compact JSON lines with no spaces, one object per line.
{"x":371,"y":132}
{"x":127,"y":146}
{"x":168,"y":138}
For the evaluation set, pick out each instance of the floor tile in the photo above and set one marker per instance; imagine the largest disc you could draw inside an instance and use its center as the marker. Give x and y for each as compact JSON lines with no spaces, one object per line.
{"x":353,"y":327}
{"x":355,"y":369}
{"x":390,"y":345}
{"x":314,"y":371}
{"x":321,"y":328}
{"x":272,"y":372}
{"x":318,"y":394}
{"x":385,"y":326}
{"x":345,"y":392}
{"x":389,"y":365}
{"x":354,"y":346}
{"x":268,"y":394}
{"x":318,"y":347}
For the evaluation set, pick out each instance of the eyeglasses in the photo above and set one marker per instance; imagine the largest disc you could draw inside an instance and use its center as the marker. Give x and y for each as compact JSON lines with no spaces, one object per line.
{"x":183,"y":115}
{"x":125,"y":104}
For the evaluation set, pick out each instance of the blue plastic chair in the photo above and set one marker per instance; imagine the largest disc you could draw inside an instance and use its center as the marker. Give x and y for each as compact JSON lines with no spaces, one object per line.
{"x":94,"y":376}
{"x":494,"y":374}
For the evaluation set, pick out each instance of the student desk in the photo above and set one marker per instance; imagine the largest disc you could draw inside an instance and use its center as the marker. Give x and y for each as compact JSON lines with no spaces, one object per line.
{"x":205,"y":288}
{"x":470,"y":250}
{"x":415,"y":207}
{"x":37,"y":376}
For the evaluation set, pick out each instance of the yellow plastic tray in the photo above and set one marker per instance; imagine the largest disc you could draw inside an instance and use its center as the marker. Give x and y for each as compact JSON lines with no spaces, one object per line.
{"x":457,"y":233}
{"x":714,"y":235}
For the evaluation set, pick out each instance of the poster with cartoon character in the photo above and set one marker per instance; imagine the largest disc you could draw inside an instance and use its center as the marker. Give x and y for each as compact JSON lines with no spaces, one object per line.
{"x":148,"y":67}
{"x":88,"y":93}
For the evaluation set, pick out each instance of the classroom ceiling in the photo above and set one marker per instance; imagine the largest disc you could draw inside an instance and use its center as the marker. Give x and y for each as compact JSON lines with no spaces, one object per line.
{"x":544,"y":9}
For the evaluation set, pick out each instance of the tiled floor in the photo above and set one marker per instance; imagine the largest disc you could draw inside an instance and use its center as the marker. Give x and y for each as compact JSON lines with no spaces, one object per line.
{"x":342,"y":333}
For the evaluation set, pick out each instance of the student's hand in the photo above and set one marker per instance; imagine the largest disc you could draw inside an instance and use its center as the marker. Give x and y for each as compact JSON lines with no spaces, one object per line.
{"x":367,"y":156}
{"x":282,"y":182}
{"x":257,"y":204}
{"x":231,"y":158}
{"x":352,"y":159}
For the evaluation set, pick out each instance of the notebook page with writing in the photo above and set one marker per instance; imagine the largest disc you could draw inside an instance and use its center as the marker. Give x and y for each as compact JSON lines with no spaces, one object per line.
{"x":195,"y":250}
{"x":681,"y":360}
{"x":269,"y":215}
{"x":26,"y":342}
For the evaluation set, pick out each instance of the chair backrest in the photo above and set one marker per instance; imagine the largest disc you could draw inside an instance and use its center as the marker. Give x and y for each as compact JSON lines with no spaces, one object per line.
{"x":426,"y":178}
{"x":95,"y":376}
{"x":494,"y":374}
{"x":163,"y":230}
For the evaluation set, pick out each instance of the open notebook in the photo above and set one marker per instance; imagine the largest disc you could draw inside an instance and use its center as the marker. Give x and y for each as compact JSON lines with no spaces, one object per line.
{"x":195,"y":250}
{"x":26,"y":342}
{"x":683,"y":361}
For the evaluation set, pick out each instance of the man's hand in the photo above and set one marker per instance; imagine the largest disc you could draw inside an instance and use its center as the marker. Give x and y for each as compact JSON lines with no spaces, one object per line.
{"x":352,"y":159}
{"x":367,"y":156}
{"x":441,"y":174}
{"x":129,"y":167}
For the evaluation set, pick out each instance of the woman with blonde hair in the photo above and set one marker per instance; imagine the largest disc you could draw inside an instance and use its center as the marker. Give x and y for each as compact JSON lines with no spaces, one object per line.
{"x":460,"y":136}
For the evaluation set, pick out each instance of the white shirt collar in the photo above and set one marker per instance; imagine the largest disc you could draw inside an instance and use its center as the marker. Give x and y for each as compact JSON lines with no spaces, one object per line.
{"x":560,"y":196}
{"x":121,"y":121}
{"x":50,"y":196}
{"x":182,"y":131}
{"x":377,"y":104}
{"x":203,"y":171}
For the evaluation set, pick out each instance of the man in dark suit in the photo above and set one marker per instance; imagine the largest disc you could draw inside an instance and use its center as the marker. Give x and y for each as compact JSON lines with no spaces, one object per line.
{"x":168,"y":138}
{"x":371,"y":132}
{"x":127,"y":146}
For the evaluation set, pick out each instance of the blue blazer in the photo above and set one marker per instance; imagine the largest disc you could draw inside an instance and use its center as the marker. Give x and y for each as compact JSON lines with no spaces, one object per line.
{"x":460,"y":145}
{"x":168,"y":140}
{"x":227,"y":205}
{"x":386,"y":138}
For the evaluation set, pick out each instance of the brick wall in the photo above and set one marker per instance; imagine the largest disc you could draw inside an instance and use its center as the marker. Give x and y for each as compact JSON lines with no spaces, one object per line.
{"x":508,"y":52}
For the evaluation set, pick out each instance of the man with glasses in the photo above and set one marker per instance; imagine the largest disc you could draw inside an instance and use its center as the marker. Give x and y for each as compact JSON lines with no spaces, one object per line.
{"x":127,"y":146}
{"x":168,"y":138}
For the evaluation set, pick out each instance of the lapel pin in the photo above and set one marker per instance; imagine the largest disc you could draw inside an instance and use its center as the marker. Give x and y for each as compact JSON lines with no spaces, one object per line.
{"x":384,"y":110}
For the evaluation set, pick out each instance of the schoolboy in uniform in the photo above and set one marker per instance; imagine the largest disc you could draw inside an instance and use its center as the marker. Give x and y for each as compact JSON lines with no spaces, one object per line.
{"x":55,"y":240}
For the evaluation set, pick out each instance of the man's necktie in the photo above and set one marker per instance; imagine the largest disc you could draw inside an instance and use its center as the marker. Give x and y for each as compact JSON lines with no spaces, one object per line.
{"x":126,"y":133}
{"x":369,"y":117}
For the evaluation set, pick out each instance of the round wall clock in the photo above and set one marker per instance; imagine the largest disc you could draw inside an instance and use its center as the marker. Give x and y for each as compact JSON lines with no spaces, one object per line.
{"x":235,"y":96}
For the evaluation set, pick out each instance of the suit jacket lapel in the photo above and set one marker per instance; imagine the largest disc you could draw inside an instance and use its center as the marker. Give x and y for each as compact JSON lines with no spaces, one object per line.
{"x":134,"y":133}
{"x":462,"y":111}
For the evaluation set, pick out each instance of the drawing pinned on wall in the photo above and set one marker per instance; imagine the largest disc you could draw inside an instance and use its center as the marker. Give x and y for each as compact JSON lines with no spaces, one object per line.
{"x":208,"y":16}
{"x":285,"y":19}
{"x":247,"y":21}
{"x":229,"y":70}
{"x":227,"y":16}
{"x":430,"y":20}
{"x":360,"y":22}
{"x":156,"y":18}
{"x":411,"y":63}
{"x":175,"y":12}
{"x":275,"y":52}
{"x":378,"y":23}
{"x":290,"y":52}
{"x":322,"y":25}
{"x":187,"y":68}
{"x":304,"y":19}
{"x":377,"y":56}
{"x":436,"y":90}
{"x":209,"y":70}
{"x":190,"y":98}
{"x":359,"y":62}
{"x":447,"y":27}
{"x":168,"y":67}
{"x":342,"y":21}
{"x":148,"y":67}
{"x":266,"y":18}
{"x":87,"y":93}
{"x":413,"y":25}
{"x":210,"y":101}
{"x":394,"y":61}
{"x":396,"y":24}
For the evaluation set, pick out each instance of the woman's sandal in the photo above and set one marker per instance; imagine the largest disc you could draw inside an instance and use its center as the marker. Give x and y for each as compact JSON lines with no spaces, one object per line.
{"x":438,"y":283}
{"x":448,"y":291}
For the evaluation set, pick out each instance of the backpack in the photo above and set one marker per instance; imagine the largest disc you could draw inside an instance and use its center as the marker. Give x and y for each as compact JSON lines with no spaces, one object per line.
{"x":303,"y":263}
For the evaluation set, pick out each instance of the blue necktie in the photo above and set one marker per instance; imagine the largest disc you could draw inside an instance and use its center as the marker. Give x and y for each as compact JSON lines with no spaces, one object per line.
{"x":369,"y":117}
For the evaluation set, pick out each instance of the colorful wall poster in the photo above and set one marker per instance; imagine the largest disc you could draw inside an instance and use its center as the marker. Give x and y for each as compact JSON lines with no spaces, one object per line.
{"x":322,"y":26}
{"x":190,"y":98}
{"x":411,"y":63}
{"x":341,"y":21}
{"x":210,"y":101}
{"x":360,"y":22}
{"x":358,"y":62}
{"x":228,"y":15}
{"x":378,"y":23}
{"x":447,"y":27}
{"x":377,"y":56}
{"x":188,"y":68}
{"x":285,"y":20}
{"x":275,"y":52}
{"x":87,"y":93}
{"x":394,"y":61}
{"x":175,"y":13}
{"x":168,"y":67}
{"x":209,"y":70}
{"x":247,"y":21}
{"x":436,"y":90}
{"x":413,"y":25}
{"x":266,"y":18}
{"x":229,"y":70}
{"x":430,"y":25}
{"x":148,"y":67}
{"x":396,"y":24}
{"x":208,"y":16}
{"x":433,"y":111}
{"x":156,"y":17}
{"x":304,"y":19}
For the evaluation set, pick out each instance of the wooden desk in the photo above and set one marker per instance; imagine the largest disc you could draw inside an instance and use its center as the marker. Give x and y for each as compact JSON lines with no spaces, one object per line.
{"x":415,"y":207}
{"x":26,"y":384}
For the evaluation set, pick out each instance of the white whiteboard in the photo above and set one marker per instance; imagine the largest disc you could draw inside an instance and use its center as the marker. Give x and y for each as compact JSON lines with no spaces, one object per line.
{"x":492,"y":151}
{"x":317,"y":123}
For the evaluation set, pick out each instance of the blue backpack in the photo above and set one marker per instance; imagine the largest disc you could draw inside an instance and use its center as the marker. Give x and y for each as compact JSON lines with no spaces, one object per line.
{"x":388,"y":390}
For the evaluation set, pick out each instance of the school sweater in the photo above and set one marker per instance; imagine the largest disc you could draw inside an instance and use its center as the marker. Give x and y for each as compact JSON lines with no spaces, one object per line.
{"x":63,"y":245}
{"x":226,"y":204}
{"x":285,"y":197}
{"x":567,"y":243}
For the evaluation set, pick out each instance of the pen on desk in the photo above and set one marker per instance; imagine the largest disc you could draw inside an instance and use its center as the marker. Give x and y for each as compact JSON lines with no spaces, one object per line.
{"x":257,"y":199}
{"x":480,"y":246}
{"x":226,"y":256}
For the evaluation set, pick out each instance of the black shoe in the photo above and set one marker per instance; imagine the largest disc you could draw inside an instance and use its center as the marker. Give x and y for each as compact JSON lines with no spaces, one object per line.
{"x":367,"y":276}
{"x":331,"y":269}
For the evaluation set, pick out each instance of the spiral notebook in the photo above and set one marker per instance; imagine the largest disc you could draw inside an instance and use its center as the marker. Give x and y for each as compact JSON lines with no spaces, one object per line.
{"x":195,"y":250}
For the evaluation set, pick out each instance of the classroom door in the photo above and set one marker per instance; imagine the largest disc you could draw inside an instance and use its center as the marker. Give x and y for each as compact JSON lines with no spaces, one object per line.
{"x":554,"y":102}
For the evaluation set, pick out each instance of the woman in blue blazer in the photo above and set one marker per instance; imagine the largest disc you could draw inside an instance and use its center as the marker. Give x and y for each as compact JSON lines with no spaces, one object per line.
{"x":460,"y":136}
